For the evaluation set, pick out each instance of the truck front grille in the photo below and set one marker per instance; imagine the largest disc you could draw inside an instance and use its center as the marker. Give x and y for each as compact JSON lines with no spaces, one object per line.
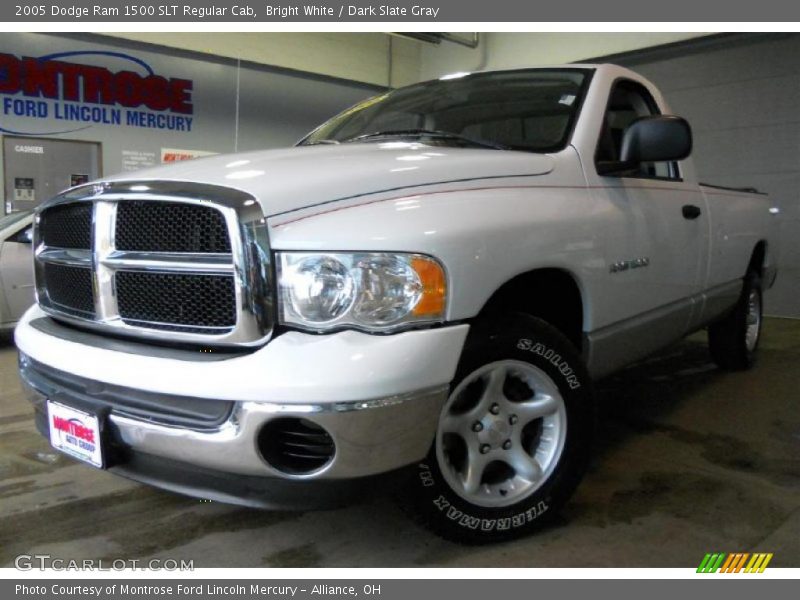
{"x":166,"y":299}
{"x":70,"y":289}
{"x":171,"y":227}
{"x":183,"y":262}
{"x":68,"y":226}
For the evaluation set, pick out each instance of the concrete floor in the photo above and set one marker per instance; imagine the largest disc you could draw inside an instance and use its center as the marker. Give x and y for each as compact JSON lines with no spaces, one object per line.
{"x":689,"y":460}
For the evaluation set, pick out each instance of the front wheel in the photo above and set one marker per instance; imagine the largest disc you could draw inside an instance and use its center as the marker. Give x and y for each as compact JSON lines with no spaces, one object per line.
{"x":513,"y":438}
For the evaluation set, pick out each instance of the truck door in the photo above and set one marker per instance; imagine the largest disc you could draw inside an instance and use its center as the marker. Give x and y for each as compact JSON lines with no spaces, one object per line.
{"x":657,"y":231}
{"x":16,"y":273}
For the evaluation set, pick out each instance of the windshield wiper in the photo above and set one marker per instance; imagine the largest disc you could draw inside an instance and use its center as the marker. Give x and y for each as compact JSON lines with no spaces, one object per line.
{"x":435,"y":133}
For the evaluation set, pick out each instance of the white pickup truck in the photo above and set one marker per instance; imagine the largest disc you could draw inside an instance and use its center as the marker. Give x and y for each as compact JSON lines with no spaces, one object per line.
{"x":432,"y":279}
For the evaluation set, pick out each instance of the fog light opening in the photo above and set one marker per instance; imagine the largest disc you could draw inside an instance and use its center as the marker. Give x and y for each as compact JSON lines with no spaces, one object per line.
{"x":295,"y":446}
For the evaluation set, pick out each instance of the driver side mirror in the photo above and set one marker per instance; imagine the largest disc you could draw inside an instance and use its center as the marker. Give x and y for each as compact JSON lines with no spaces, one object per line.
{"x":23,"y":237}
{"x":658,"y":138}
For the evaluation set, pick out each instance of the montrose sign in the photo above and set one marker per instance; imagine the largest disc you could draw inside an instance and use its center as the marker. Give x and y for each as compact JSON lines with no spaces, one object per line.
{"x":68,"y":88}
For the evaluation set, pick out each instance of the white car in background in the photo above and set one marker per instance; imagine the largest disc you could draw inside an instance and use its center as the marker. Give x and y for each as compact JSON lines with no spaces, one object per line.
{"x":16,"y":267}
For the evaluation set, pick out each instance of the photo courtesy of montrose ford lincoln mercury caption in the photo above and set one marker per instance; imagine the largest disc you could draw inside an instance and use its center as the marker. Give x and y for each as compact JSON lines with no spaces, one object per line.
{"x":425,"y":287}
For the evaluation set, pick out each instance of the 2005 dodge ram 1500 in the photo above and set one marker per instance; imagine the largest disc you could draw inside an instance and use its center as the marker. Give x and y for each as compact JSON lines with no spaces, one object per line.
{"x":431,"y":280}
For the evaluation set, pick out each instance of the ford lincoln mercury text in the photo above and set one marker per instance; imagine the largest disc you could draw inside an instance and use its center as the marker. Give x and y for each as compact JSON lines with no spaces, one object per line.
{"x":425,"y":287}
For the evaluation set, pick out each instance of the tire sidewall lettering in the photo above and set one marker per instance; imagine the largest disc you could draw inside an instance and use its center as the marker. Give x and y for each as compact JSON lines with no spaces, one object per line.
{"x":553,"y":357}
{"x":468,"y":521}
{"x":425,"y":476}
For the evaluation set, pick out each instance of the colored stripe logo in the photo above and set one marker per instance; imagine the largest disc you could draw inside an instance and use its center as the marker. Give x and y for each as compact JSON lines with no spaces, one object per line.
{"x":737,"y":562}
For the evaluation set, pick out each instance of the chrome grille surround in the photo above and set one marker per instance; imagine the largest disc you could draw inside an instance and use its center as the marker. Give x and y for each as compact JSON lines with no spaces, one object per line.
{"x":249,"y":262}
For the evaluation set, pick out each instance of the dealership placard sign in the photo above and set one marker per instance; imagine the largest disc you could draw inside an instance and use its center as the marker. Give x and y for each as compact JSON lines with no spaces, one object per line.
{"x":169,"y":155}
{"x":71,"y":88}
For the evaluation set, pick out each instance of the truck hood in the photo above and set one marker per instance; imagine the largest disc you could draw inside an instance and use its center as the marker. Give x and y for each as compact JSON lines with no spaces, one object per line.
{"x":293,"y":178}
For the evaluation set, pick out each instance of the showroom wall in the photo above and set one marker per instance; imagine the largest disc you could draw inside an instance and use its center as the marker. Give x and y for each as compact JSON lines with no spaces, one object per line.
{"x":394,"y":59}
{"x":229,"y":105}
{"x":368,"y":57}
{"x":740,"y":94}
{"x":515,"y":50}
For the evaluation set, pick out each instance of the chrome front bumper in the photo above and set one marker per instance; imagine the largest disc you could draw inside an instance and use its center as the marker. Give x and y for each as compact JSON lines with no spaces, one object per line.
{"x":370,"y":437}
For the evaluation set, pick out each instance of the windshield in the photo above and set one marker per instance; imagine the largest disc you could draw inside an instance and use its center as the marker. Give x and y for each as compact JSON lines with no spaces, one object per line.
{"x":531,"y":110}
{"x":13,"y":218}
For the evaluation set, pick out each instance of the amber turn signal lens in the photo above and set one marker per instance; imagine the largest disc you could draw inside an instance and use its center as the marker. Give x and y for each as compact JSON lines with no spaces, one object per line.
{"x":434,"y":288}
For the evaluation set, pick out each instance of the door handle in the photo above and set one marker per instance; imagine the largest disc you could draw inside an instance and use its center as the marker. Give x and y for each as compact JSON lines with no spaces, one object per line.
{"x":690,"y":211}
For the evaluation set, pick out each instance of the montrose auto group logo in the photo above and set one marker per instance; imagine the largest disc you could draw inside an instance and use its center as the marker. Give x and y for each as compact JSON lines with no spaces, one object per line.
{"x":79,"y":95}
{"x":74,"y":433}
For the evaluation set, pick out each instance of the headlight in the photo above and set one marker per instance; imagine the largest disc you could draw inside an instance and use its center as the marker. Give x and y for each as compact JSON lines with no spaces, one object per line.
{"x":369,"y":290}
{"x":321,"y":289}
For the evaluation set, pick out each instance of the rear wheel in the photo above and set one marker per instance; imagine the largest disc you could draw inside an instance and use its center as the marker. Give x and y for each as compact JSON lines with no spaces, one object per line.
{"x":733,"y":341}
{"x":513,"y":438}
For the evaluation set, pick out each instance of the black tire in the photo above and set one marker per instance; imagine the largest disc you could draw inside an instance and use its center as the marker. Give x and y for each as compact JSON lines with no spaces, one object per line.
{"x":527,"y":339}
{"x":727,"y":338}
